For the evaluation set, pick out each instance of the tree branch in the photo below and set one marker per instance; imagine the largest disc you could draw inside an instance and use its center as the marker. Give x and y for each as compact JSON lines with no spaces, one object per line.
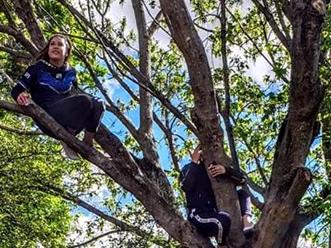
{"x":145,"y":110}
{"x":281,"y":19}
{"x":16,"y":53}
{"x":254,"y":44}
{"x":123,"y":226}
{"x":227,"y":110}
{"x":8,"y":78}
{"x":169,"y":136}
{"x":19,"y":37}
{"x":111,"y":107}
{"x":154,"y":25}
{"x":20,"y":132}
{"x":24,"y":10}
{"x":165,"y":130}
{"x":8,"y":13}
{"x":273,"y":24}
{"x":94,"y":239}
{"x":148,"y":165}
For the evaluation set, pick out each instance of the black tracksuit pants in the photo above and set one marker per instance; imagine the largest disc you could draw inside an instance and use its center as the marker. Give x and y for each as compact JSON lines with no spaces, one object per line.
{"x":77,"y":113}
{"x":213,"y":223}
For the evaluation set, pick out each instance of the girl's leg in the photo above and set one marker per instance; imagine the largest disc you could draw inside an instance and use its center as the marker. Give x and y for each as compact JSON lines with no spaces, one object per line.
{"x":79,"y":112}
{"x":245,"y":202}
{"x":94,"y":118}
{"x":246,"y":212}
{"x":72,"y":112}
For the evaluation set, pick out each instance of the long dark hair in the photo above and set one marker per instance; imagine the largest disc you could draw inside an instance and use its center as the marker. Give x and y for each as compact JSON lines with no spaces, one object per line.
{"x":43,"y":54}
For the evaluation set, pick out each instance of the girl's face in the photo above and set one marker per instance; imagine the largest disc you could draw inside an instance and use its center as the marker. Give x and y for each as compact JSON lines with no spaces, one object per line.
{"x":57,"y":50}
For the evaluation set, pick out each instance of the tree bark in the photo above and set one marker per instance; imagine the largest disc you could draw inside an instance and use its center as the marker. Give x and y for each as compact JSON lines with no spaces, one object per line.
{"x":24,"y":10}
{"x":146,"y":116}
{"x":205,"y":112}
{"x":19,"y":37}
{"x":295,"y":228}
{"x":289,"y":179}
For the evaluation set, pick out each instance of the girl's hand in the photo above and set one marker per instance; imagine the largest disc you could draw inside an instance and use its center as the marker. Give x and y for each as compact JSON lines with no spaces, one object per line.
{"x":195,"y":156}
{"x":23,"y":98}
{"x":216,"y":170}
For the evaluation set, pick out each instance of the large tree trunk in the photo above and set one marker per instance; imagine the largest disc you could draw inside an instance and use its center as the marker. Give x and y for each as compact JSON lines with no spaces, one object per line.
{"x":205,"y":112}
{"x":289,"y":179}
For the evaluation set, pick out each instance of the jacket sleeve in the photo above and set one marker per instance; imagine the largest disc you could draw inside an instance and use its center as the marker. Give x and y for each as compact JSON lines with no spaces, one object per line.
{"x":25,"y":82}
{"x":236,"y":176}
{"x":189,"y":176}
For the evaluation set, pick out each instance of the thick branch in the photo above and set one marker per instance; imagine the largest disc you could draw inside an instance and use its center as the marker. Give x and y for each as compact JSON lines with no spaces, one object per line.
{"x":19,"y":37}
{"x":205,"y":112}
{"x":284,"y":208}
{"x":306,"y":93}
{"x":24,"y":10}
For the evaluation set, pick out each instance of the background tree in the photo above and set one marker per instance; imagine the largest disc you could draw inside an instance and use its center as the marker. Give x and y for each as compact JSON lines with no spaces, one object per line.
{"x":192,"y":89}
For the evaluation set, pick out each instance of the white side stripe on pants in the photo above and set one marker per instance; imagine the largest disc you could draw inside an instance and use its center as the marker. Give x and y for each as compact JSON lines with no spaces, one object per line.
{"x":209,"y":220}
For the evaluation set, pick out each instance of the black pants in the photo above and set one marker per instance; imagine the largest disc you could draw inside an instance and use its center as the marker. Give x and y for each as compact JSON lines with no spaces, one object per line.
{"x":77,"y":113}
{"x":213,"y":223}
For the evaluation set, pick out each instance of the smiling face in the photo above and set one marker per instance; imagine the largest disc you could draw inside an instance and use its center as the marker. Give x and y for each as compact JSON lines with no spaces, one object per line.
{"x":57,"y":50}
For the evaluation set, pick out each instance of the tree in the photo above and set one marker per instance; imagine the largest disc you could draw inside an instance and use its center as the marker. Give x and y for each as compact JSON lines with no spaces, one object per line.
{"x":185,"y":96}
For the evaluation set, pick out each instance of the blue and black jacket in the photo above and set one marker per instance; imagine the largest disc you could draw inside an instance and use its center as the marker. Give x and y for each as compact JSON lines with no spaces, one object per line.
{"x":46,"y":83}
